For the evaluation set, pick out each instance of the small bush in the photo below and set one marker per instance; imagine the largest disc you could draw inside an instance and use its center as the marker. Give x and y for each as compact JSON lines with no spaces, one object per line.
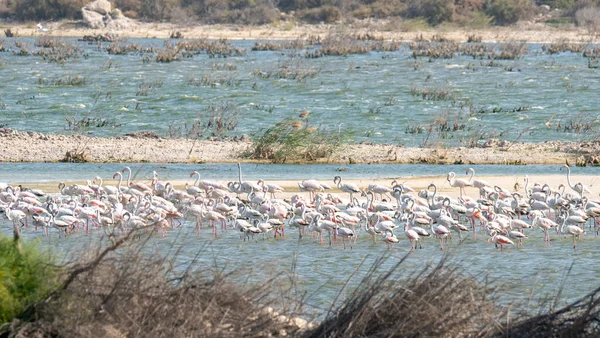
{"x":362,"y":12}
{"x":295,"y":140}
{"x":479,"y":20}
{"x":386,"y":8}
{"x":506,"y":12}
{"x":589,"y":18}
{"x":327,"y":14}
{"x":36,"y":10}
{"x":25,"y":277}
{"x":437,"y":302}
{"x":434,"y":11}
{"x":560,"y":4}
{"x":9,"y":33}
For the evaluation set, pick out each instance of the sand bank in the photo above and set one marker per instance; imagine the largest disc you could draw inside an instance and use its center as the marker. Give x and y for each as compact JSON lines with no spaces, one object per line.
{"x":38,"y":147}
{"x":530,"y":32}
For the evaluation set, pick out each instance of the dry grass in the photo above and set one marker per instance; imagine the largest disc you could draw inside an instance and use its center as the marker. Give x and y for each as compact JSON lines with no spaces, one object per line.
{"x":122,"y":291}
{"x":437,"y":302}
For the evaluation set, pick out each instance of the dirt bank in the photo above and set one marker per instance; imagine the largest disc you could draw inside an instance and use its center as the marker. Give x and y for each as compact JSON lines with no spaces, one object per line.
{"x":37,"y":147}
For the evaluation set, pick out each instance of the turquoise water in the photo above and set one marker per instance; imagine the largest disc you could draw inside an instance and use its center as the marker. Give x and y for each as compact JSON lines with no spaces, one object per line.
{"x":368,"y":95}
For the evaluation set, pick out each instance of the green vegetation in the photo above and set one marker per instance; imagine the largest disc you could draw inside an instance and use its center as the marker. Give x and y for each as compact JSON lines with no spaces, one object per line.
{"x":295,"y":140}
{"x":402,"y":13}
{"x":25,"y":277}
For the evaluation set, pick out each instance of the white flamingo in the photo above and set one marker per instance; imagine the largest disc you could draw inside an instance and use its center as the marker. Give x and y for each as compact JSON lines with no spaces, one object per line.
{"x":350,"y":188}
{"x":458,"y":182}
{"x":580,"y":188}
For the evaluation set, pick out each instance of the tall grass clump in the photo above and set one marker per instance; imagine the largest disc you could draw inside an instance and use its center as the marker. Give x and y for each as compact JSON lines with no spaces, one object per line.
{"x":438,"y":301}
{"x":295,"y":140}
{"x":26,"y":277}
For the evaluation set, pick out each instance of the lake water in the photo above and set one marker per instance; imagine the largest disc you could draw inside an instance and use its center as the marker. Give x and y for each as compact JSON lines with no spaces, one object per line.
{"x":367,"y":95}
{"x":526,"y":275}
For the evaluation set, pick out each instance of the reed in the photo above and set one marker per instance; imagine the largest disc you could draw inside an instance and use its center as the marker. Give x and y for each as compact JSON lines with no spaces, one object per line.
{"x":297,"y":44}
{"x":433,"y":94}
{"x":66,"y":80}
{"x":213,"y":48}
{"x":122,"y":47}
{"x":565,"y":45}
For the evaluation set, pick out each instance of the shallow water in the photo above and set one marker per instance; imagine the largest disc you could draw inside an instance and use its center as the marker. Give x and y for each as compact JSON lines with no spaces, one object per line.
{"x":526,"y":274}
{"x":369,"y":94}
{"x":54,"y":172}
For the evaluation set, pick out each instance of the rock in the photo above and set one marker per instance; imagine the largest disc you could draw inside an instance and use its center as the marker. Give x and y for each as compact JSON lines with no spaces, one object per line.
{"x":102,"y":7}
{"x":300,"y":323}
{"x":245,"y":138}
{"x":92,"y":19}
{"x":143,"y":134}
{"x":99,"y":15}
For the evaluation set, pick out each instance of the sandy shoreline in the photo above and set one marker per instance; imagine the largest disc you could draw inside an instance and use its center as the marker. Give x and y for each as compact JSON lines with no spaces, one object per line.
{"x":38,"y":147}
{"x":530,"y":32}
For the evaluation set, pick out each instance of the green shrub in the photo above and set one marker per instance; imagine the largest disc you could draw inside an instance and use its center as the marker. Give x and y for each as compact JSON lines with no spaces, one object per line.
{"x":479,"y":20}
{"x":386,"y":8}
{"x":48,"y":10}
{"x":362,"y":12}
{"x":506,"y":12}
{"x":327,"y":14}
{"x":434,"y":11}
{"x":560,"y":4}
{"x":25,"y":277}
{"x":294,"y":140}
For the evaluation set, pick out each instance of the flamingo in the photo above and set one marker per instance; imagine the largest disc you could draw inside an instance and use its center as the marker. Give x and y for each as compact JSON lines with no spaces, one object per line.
{"x":458,"y":182}
{"x":441,"y":232}
{"x":545,"y":224}
{"x":389,"y":237}
{"x":137,"y":186}
{"x":271,"y":188}
{"x":379,"y":189}
{"x":477,"y":183}
{"x":346,"y":233}
{"x":501,"y":240}
{"x":350,"y":188}
{"x":246,"y":187}
{"x":311,"y":186}
{"x":518,"y":236}
{"x":568,"y":229}
{"x":204,"y":184}
{"x":412,"y":235}
{"x":580,"y":188}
